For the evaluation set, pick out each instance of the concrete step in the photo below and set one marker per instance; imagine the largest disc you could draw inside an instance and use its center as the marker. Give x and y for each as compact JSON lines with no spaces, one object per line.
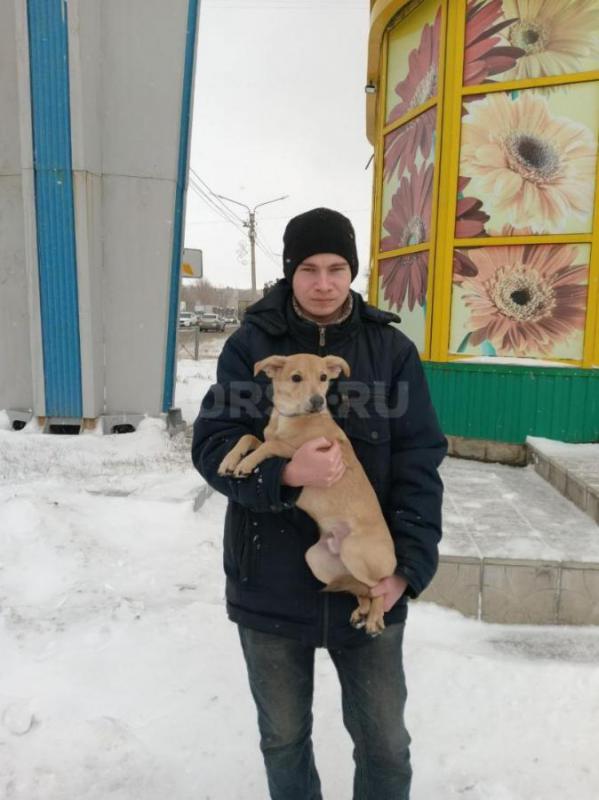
{"x":514,"y":550}
{"x":572,"y":469}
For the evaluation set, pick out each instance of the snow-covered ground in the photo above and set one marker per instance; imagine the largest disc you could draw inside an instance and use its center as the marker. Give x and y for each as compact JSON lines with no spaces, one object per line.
{"x":122,"y":679}
{"x":193,"y":381}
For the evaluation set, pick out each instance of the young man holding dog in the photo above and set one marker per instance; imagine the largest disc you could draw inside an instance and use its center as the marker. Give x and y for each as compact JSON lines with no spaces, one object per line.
{"x":277,"y":603}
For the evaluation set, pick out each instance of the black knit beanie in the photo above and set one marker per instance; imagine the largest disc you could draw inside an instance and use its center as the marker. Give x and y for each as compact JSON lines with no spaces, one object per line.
{"x":318,"y":231}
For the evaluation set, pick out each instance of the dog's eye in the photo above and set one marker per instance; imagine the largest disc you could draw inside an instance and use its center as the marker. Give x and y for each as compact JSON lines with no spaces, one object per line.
{"x":296,"y":378}
{"x":323,"y":377}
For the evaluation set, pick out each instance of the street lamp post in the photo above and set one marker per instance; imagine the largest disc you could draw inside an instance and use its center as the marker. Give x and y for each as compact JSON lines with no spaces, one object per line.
{"x":250,"y":224}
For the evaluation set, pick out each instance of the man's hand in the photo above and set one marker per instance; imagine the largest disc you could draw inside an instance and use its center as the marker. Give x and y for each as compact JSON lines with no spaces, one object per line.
{"x":317,"y":463}
{"x":391,"y":588}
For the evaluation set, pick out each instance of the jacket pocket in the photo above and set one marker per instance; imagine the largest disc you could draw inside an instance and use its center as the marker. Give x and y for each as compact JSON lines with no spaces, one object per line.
{"x":280,"y":569}
{"x":367,"y":425}
{"x":366,"y":416}
{"x":241,"y":545}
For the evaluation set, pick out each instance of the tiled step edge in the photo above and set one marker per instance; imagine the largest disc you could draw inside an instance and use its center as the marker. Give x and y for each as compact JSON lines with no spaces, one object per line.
{"x":566,"y":482}
{"x":518,"y":592}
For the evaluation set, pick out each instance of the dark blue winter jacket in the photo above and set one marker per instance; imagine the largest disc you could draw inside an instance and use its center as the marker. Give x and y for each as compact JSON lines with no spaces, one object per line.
{"x":384,"y":408}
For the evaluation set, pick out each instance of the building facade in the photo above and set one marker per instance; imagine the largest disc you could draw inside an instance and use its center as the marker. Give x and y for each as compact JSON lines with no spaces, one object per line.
{"x":96,"y":107}
{"x":484,"y":115}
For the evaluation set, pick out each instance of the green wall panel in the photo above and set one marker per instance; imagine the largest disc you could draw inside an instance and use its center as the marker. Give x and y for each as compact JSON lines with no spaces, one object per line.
{"x":508,"y":403}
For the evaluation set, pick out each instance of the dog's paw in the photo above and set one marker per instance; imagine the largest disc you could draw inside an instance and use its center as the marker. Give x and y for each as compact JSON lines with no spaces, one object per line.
{"x":227,"y":466}
{"x":375,"y":627}
{"x":242,"y":471}
{"x":357,"y":619}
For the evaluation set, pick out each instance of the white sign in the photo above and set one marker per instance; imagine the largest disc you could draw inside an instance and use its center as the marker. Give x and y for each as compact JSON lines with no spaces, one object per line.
{"x":191,"y":266}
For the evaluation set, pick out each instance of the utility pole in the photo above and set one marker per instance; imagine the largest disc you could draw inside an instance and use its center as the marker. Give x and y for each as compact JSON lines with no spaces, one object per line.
{"x":252,"y":234}
{"x":250,"y":224}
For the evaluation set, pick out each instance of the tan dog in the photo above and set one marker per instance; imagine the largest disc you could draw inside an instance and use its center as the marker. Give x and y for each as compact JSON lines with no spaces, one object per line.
{"x":355,"y":550}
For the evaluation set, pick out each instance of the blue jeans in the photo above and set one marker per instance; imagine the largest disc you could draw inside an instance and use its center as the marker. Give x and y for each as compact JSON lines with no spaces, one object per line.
{"x":281,"y":676}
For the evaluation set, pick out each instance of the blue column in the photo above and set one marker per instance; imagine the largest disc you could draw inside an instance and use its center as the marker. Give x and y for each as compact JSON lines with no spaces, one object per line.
{"x":171,"y":356}
{"x":49,"y":68}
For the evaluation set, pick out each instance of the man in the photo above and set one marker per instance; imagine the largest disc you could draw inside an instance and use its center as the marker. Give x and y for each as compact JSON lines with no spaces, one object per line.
{"x":277,"y":603}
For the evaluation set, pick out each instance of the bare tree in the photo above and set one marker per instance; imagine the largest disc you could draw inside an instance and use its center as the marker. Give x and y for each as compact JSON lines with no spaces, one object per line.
{"x":203,"y":293}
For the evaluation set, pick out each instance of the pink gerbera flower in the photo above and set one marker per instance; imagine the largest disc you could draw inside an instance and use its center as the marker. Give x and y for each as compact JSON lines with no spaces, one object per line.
{"x":418,"y":86}
{"x":525,"y":299}
{"x":408,"y":223}
{"x":470,"y":218}
{"x":402,"y":144}
{"x":484,"y":55}
{"x":532,"y":166}
{"x":556,"y":36}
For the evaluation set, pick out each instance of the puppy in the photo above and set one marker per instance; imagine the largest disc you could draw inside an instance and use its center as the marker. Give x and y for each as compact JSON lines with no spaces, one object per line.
{"x":355,"y":549}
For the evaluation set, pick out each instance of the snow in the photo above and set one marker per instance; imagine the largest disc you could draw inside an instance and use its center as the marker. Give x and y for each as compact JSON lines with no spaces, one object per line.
{"x":121,"y":677}
{"x":194,"y":378}
{"x":494,"y":511}
{"x":565,"y":450}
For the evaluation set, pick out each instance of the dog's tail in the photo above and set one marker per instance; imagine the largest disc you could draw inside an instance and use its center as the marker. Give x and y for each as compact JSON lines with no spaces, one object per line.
{"x":347,"y":583}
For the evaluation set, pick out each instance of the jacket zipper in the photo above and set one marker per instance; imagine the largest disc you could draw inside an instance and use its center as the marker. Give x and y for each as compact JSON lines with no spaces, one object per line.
{"x":325,"y":597}
{"x":321,"y":336}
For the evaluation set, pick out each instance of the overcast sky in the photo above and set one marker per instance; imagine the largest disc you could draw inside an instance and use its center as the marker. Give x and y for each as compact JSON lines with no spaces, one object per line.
{"x":279,"y":108}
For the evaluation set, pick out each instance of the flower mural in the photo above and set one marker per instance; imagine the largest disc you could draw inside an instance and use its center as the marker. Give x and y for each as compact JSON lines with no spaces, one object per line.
{"x":420,"y":84}
{"x":470,"y":218}
{"x":486,"y":51}
{"x":527,"y":167}
{"x":556,"y":36}
{"x":404,"y":277}
{"x":403,"y":144}
{"x":534,"y":168}
{"x":524,"y":300}
{"x":519,"y":39}
{"x":408,"y":223}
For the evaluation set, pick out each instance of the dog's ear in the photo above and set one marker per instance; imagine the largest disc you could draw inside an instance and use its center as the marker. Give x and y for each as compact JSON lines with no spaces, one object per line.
{"x":335,"y":365}
{"x":270,"y":365}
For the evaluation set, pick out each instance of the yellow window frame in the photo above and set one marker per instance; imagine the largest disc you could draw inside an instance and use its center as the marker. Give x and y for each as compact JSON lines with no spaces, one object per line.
{"x":447,"y":159}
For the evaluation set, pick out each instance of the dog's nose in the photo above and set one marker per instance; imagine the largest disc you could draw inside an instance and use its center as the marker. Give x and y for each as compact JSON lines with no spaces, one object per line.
{"x":316,"y":401}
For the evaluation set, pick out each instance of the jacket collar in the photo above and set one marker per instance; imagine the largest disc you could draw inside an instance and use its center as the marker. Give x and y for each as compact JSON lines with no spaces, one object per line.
{"x":343,"y":313}
{"x":275,"y":315}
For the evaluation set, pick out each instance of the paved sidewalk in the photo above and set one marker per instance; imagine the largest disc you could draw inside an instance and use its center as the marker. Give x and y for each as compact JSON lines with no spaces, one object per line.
{"x":514,"y":549}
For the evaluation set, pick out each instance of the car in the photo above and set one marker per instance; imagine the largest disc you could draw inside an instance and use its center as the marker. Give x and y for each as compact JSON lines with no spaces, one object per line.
{"x":187,"y":319}
{"x":211,"y":322}
{"x":231,"y":321}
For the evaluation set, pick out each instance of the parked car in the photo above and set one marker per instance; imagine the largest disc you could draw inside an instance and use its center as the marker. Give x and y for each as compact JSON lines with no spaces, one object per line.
{"x":187,"y":319}
{"x":211,"y":322}
{"x":231,"y":321}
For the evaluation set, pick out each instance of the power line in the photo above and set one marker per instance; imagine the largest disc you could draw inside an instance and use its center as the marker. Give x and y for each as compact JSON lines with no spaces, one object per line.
{"x":210,"y":198}
{"x":214,"y":202}
{"x":267,"y":251}
{"x":210,"y":205}
{"x":215,"y":197}
{"x":346,"y":211}
{"x":262,"y":242}
{"x":207,"y":199}
{"x":252,"y":234}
